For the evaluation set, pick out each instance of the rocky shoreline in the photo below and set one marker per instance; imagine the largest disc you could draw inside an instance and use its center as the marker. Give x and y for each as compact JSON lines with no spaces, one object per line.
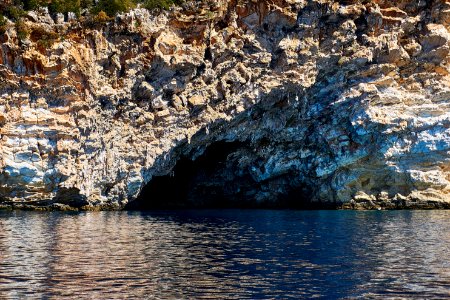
{"x":55,"y":207}
{"x":352,"y":205}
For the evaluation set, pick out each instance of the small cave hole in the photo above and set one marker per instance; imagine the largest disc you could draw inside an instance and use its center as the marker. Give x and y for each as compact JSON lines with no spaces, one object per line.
{"x":208,"y":54}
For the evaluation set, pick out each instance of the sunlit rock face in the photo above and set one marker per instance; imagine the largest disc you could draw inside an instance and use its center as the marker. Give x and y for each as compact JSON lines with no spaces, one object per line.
{"x":332,"y":102}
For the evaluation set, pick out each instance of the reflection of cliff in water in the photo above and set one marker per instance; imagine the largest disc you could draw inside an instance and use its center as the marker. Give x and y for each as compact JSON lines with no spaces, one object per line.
{"x":233,"y":254}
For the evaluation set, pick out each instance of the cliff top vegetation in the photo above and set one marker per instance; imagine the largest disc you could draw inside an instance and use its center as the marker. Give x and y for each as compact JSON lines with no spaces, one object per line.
{"x":15,"y":9}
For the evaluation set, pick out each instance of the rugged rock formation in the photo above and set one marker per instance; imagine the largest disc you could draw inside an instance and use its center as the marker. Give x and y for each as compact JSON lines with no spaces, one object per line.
{"x":338,"y":102}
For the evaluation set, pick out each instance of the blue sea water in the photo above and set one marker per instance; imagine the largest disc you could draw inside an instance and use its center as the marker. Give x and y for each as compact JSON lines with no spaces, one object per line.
{"x":225,"y":254}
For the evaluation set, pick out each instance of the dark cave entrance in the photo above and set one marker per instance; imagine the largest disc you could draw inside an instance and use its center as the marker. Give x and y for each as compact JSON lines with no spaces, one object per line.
{"x":191,"y":184}
{"x":214,"y":180}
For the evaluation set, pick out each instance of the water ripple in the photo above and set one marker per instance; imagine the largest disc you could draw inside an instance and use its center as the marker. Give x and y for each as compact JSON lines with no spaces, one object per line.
{"x":232,"y":254}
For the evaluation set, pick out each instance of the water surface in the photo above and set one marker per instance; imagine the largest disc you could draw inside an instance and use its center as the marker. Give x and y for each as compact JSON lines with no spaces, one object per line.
{"x":218,"y":254}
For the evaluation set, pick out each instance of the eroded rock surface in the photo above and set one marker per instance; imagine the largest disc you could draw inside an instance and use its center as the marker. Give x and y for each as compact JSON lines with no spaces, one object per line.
{"x":344,"y":102}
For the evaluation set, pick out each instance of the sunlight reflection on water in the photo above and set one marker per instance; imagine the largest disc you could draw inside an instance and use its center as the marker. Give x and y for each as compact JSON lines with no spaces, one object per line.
{"x":233,"y":254}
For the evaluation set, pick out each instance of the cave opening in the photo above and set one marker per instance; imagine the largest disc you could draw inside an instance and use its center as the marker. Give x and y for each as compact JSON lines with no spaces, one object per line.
{"x":214,"y":180}
{"x":191,"y":182}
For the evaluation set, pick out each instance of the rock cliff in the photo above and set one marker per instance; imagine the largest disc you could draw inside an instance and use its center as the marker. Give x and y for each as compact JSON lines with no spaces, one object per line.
{"x":345,"y":103}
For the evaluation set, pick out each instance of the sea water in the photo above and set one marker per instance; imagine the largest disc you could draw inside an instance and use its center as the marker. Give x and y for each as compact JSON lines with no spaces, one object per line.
{"x":225,"y":254}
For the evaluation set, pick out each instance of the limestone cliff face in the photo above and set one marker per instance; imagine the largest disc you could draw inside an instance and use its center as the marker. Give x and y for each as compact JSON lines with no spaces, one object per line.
{"x":333,"y":101}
